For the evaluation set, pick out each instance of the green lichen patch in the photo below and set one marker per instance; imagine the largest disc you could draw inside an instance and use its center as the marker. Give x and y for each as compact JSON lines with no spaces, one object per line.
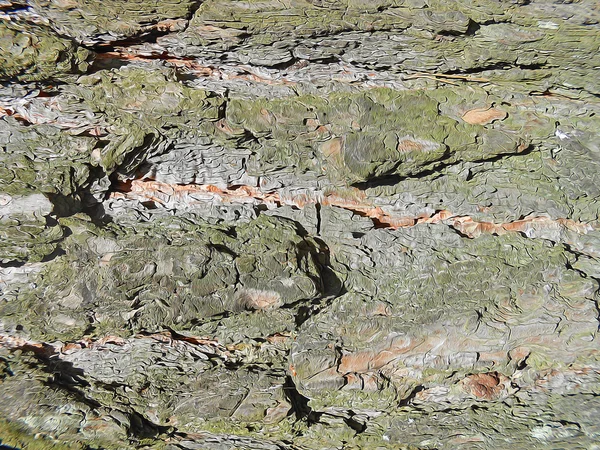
{"x":180,"y":279}
{"x":97,"y":21}
{"x":268,"y":21}
{"x":359,"y":137}
{"x":33,"y":53}
{"x":14,"y":435}
{"x":26,"y":231}
{"x":39,"y":413}
{"x":421,"y":312}
{"x":144,"y":109}
{"x":42,"y":158}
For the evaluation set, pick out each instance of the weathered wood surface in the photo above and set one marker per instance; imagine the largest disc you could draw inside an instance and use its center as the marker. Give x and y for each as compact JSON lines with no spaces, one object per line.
{"x":299,"y":224}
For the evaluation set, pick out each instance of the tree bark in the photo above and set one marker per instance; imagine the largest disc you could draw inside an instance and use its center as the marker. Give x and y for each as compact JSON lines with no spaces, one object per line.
{"x":299,"y":224}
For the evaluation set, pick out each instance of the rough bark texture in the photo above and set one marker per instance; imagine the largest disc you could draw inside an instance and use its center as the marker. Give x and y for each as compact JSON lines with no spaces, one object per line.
{"x":299,"y":224}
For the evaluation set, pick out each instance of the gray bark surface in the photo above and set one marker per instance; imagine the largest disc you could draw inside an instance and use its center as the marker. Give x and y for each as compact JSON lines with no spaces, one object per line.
{"x":299,"y":224}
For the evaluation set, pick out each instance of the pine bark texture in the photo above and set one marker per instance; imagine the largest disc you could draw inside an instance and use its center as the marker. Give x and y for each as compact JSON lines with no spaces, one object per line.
{"x":299,"y":224}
